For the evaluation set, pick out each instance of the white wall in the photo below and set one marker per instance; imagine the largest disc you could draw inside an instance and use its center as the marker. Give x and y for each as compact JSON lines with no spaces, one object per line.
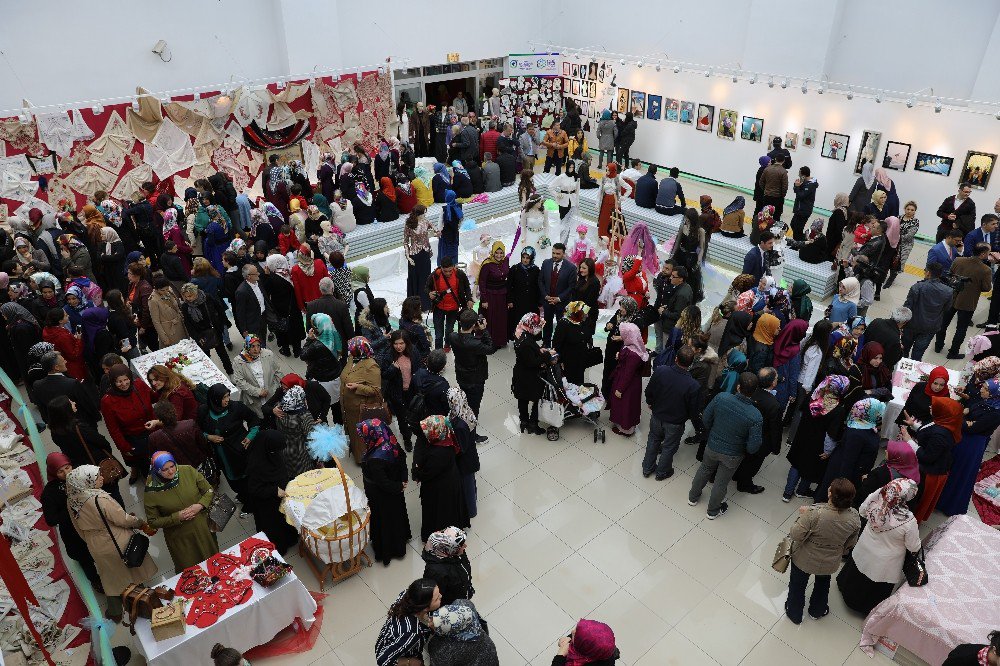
{"x":951,"y":134}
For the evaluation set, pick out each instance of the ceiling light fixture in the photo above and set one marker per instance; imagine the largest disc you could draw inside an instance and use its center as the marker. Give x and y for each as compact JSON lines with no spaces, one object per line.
{"x":770,"y":82}
{"x":784,"y":84}
{"x":910,"y":102}
{"x":708,"y":73}
{"x":281,"y":84}
{"x":677,"y":69}
{"x":850,"y":93}
{"x":735,"y":78}
{"x":937,"y":105}
{"x":197,"y":96}
{"x":98,"y":109}
{"x":658,"y":66}
{"x":640,"y":63}
{"x":622,"y":62}
{"x":878,"y":98}
{"x":753,"y":79}
{"x":805,"y":87}
{"x":821,"y":89}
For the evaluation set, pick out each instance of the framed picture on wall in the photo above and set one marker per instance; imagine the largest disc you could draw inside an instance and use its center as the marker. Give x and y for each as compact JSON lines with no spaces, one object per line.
{"x":808,"y":138}
{"x":770,"y":140}
{"x":574,"y":72}
{"x":977,"y":169}
{"x":576,"y":87}
{"x":567,"y":85}
{"x":638,"y":104}
{"x":593,"y":89}
{"x":585,"y":108}
{"x":870,"y":141}
{"x":896,"y":154}
{"x":835,"y":146}
{"x":285,"y":155}
{"x":936,"y":164}
{"x":791,"y":140}
{"x":728,"y":120}
{"x":752,"y":128}
{"x":623,"y":100}
{"x":706,"y":113}
{"x":672,"y":109}
{"x":687,"y":113}
{"x":592,"y":71}
{"x":654,"y":106}
{"x":566,"y":68}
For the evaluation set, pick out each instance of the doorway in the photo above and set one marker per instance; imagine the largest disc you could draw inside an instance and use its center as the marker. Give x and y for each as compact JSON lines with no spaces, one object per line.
{"x":442,"y":93}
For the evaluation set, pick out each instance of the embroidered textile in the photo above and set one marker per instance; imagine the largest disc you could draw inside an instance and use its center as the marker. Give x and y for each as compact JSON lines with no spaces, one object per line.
{"x":281,"y":113}
{"x":89,"y":179}
{"x":170,"y":150}
{"x":15,"y":178}
{"x":196,"y":124}
{"x":131,"y":181}
{"x":34,"y":202}
{"x":19,"y":135}
{"x":249,"y":108}
{"x":111,"y":149}
{"x":59,"y":131}
{"x":310,"y":156}
{"x":145,"y":122}
{"x":225,"y":161}
{"x":344,"y":94}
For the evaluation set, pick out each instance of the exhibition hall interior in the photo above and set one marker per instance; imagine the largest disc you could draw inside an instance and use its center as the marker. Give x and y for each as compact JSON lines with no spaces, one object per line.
{"x":563,"y":333}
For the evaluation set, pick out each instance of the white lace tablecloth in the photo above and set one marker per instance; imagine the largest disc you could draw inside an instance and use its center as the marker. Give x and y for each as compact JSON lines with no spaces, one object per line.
{"x":244,"y":627}
{"x":201,"y":370}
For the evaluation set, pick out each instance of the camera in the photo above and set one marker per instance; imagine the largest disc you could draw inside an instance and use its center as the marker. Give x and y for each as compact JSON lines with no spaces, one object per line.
{"x":956,"y":282}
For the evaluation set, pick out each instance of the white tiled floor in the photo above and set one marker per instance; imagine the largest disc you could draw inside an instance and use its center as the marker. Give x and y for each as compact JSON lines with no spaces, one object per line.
{"x":570,"y":529}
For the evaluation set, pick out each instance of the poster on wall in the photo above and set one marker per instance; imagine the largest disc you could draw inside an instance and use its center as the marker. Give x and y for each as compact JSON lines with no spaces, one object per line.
{"x":706,"y":112}
{"x":567,"y":85}
{"x":870,"y":141}
{"x":654,"y":106}
{"x":809,"y":138}
{"x":728,"y":119}
{"x":770,"y":140}
{"x":638,"y":104}
{"x":977,"y":169}
{"x":566,"y":68}
{"x":687,"y":113}
{"x":672,"y":110}
{"x":835,"y":146}
{"x":593,"y":89}
{"x":896,"y":154}
{"x":752,"y":128}
{"x":529,"y":64}
{"x":585,"y":109}
{"x":592,"y":71}
{"x":935,"y":164}
{"x":576,"y":87}
{"x":791,"y":140}
{"x":623,"y":100}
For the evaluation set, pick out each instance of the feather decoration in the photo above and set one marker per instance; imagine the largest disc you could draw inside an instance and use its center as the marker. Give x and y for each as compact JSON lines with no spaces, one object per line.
{"x":468,"y":224}
{"x":327,"y":442}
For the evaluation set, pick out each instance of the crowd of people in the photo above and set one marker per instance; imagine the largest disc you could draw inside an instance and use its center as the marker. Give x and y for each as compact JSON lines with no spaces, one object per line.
{"x":88,"y":290}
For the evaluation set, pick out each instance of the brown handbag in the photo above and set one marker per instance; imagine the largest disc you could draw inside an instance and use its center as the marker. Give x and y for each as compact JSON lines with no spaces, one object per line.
{"x":139,"y":601}
{"x":375,"y":408}
{"x":111,"y":470}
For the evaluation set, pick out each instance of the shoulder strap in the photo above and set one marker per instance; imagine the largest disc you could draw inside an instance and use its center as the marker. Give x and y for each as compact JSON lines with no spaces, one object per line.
{"x":85,"y":447}
{"x":108,"y":527}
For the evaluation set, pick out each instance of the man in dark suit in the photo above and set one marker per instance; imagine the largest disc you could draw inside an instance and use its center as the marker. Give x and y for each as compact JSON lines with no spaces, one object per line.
{"x":337,"y":309}
{"x":251,"y":305}
{"x":763,"y":398}
{"x":986,"y":233}
{"x":755,"y":261}
{"x":56,"y":383}
{"x":555,"y":281}
{"x":957,"y":212}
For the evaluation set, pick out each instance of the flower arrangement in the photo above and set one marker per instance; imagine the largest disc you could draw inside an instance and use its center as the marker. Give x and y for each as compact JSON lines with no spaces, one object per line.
{"x":178,"y":361}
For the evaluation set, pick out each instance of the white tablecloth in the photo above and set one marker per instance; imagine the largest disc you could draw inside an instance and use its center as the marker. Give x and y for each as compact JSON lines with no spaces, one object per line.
{"x":201,"y":370}
{"x":244,"y":627}
{"x":900,"y":391}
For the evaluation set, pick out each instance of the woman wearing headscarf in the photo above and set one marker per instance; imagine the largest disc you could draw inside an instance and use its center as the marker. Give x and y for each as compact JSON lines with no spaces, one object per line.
{"x":570,"y":341}
{"x":823,"y":418}
{"x":836,"y":225}
{"x":23,"y":332}
{"x":855,"y":454}
{"x":733,"y":219}
{"x":451,"y":220}
{"x":360,"y":382}
{"x":295,"y":423}
{"x":218,"y":235}
{"x":689,"y":249}
{"x":230,"y":426}
{"x":56,"y":513}
{"x":461,"y":182}
{"x":736,"y":363}
{"x":762,"y":221}
{"x":256,"y":374}
{"x":106,"y":529}
{"x":442,"y":498}
{"x":463,"y":425}
{"x":523,"y":292}
{"x":980,"y":423}
{"x":493,"y":297}
{"x":877,"y":206}
{"x":918,"y":403}
{"x":440,"y":182}
{"x":787,"y":360}
{"x":843,"y":349}
{"x":128,"y":415}
{"x":875,"y":566}
{"x":305,"y":276}
{"x":909,"y":225}
{"x":384,"y":468}
{"x":406,"y":197}
{"x":883,"y":183}
{"x":900,"y":462}
{"x":526,"y":384}
{"x":864,"y":188}
{"x":277,"y":282}
{"x":204,"y":319}
{"x":870,"y":376}
{"x":845,"y":303}
{"x":173,"y":232}
{"x":760,"y":346}
{"x":385,"y":206}
{"x":266,"y":478}
{"x":758,"y":188}
{"x":321,"y":353}
{"x":111,"y":258}
{"x":591,"y":643}
{"x":813,"y":250}
{"x":422,"y":183}
{"x":935,"y":442}
{"x":70,"y":345}
{"x":29,"y":259}
{"x":176,"y":499}
{"x":611,"y":192}
{"x":447,"y":563}
{"x":739,"y":327}
{"x":459,"y":637}
{"x":626,"y":381}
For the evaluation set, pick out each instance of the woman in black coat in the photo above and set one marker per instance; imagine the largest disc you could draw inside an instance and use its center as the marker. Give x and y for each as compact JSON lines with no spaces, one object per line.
{"x":231,"y":427}
{"x":23,"y":331}
{"x":120,"y":323}
{"x":526,"y":384}
{"x":442,"y":500}
{"x":277,"y":284}
{"x":587,"y":291}
{"x":822,"y":415}
{"x":411,"y":322}
{"x":397,"y":397}
{"x":265,"y":487}
{"x":384,"y":471}
{"x":204,"y":319}
{"x":111,"y":255}
{"x":78,"y":440}
{"x":56,"y":513}
{"x":448,"y":565}
{"x":523,"y":292}
{"x":625,"y":139}
{"x":627,"y":312}
{"x":570,"y":342}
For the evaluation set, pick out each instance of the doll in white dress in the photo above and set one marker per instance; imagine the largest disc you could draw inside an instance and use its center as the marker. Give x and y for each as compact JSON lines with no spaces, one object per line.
{"x":535,"y":227}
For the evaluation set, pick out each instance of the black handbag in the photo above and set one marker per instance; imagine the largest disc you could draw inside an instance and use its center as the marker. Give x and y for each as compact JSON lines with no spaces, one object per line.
{"x":135,"y":549}
{"x":915,"y":569}
{"x":593,"y":356}
{"x":276,"y":323}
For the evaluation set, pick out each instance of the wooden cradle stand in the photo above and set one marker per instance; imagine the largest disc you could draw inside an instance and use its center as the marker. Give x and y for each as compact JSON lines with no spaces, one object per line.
{"x":340,"y":554}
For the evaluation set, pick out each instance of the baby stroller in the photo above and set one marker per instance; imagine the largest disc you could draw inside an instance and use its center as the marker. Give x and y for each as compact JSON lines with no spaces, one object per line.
{"x":562,"y":401}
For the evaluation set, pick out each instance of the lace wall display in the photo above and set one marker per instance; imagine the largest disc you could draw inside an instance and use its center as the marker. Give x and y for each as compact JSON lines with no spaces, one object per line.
{"x":538,"y":96}
{"x":81,"y":151}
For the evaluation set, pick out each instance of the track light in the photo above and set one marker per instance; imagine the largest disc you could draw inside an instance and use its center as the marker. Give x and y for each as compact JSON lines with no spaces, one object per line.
{"x":677,"y":69}
{"x":937,"y":105}
{"x":658,"y":66}
{"x":167,"y":99}
{"x":135,"y":104}
{"x":281,"y":84}
{"x":878,"y":98}
{"x":753,"y":79}
{"x":197,"y":96}
{"x":805,"y":87}
{"x":770,"y":82}
{"x":577,"y":55}
{"x":708,"y":73}
{"x":909,"y":103}
{"x":784,"y":84}
{"x":640,"y":64}
{"x":821,"y":89}
{"x":735,"y":78}
{"x":997,"y":116}
{"x":622,"y":62}
{"x":850,"y":93}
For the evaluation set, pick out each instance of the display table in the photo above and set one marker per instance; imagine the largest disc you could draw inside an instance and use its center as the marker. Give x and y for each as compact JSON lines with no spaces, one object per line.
{"x":959,"y":604}
{"x":200,"y":370}
{"x":908,"y":372}
{"x":243,"y":627}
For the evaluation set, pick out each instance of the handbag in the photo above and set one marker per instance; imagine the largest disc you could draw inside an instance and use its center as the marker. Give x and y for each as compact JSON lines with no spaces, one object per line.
{"x":593,"y":356}
{"x":915,"y":568}
{"x":210,"y":470}
{"x":140,"y":601}
{"x":276,"y":323}
{"x":112,"y":471}
{"x":220,"y":511}
{"x":646,"y":370}
{"x":783,"y":555}
{"x":135,"y":549}
{"x":375,"y":410}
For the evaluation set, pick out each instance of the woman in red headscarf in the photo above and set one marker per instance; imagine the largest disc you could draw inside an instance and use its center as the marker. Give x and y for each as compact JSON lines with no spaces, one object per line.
{"x":918,"y":403}
{"x":611,"y":192}
{"x":385,"y":206}
{"x":870,"y":373}
{"x":591,"y":643}
{"x":935,"y":442}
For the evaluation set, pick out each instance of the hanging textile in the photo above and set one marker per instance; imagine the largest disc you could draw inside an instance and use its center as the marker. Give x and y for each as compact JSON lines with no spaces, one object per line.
{"x":58,"y":131}
{"x":77,"y":158}
{"x":170,"y":150}
{"x":20,"y":135}
{"x":145,"y":122}
{"x":43,"y":164}
{"x":15,"y":178}
{"x":249,"y":108}
{"x":310,"y":156}
{"x":196,"y":124}
{"x":224,"y":160}
{"x":58,"y":190}
{"x":281,"y":114}
{"x":110,"y":150}
{"x":345,"y":95}
{"x":261,"y":139}
{"x":33,"y":202}
{"x":131,"y":181}
{"x":89,"y":179}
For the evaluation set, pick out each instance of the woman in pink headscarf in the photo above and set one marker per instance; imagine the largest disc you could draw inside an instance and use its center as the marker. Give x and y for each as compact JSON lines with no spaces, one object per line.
{"x":884,"y":182}
{"x":591,"y":643}
{"x":641,"y":244}
{"x":626,"y":380}
{"x":890,"y":255}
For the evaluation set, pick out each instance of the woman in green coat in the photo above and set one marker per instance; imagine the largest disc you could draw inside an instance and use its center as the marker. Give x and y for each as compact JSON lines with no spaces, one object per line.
{"x":177,"y":498}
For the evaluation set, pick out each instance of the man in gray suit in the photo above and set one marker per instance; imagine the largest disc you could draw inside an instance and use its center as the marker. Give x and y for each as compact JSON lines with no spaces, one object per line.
{"x":555,"y":281}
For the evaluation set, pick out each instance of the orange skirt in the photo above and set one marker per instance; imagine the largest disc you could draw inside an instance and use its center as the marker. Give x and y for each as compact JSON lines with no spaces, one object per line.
{"x":604,"y":216}
{"x":933,"y":487}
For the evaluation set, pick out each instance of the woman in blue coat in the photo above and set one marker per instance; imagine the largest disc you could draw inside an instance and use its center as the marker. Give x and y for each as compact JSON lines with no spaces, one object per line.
{"x":218,"y":235}
{"x":441,"y":182}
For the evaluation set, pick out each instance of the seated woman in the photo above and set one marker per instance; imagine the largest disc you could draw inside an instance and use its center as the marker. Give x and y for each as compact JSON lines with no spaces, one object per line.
{"x":385,"y":206}
{"x":458,"y":637}
{"x":733,"y":219}
{"x":813,"y":250}
{"x":461,"y":182}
